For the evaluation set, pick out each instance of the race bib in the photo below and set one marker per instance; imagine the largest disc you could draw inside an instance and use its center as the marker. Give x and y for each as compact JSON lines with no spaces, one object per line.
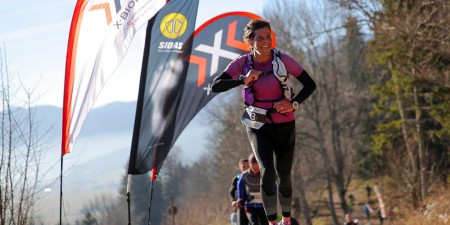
{"x":254,"y":117}
{"x":256,"y":197}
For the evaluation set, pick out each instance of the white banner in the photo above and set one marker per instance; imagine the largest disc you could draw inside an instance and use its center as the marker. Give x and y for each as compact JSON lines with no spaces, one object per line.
{"x":100,"y":34}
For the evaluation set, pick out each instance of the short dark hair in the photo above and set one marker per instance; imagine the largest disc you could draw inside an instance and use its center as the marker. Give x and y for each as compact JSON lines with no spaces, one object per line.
{"x":252,"y":158}
{"x":242,"y":161}
{"x":249,"y":29}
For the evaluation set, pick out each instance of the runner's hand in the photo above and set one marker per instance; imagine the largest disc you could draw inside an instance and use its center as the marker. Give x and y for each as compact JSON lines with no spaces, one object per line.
{"x":234,"y":204}
{"x":241,"y":203}
{"x":252,"y":75}
{"x":283,"y":106}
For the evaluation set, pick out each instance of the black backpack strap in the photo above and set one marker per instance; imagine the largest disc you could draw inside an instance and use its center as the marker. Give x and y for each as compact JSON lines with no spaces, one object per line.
{"x":276,"y":53}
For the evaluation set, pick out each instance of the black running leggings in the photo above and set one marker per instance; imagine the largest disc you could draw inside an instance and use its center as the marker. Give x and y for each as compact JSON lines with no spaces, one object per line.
{"x":273,"y":145}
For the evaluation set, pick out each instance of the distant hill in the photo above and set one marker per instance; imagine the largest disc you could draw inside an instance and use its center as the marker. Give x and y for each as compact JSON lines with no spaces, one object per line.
{"x":107,"y":129}
{"x":100,"y":156}
{"x":112,"y":118}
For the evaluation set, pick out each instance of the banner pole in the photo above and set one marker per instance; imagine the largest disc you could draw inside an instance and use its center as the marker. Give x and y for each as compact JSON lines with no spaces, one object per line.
{"x":153,"y":178}
{"x":61,"y":191}
{"x":128,"y":198}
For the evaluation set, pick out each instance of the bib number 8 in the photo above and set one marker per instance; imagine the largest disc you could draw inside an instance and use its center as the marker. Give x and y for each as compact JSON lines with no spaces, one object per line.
{"x":253,"y":116}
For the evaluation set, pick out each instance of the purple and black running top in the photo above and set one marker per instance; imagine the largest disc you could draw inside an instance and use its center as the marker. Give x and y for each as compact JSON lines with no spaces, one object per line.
{"x":267,"y":89}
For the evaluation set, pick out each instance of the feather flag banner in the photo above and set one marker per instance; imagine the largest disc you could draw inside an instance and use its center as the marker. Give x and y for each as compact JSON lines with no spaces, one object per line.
{"x":176,"y":79}
{"x":100,"y":34}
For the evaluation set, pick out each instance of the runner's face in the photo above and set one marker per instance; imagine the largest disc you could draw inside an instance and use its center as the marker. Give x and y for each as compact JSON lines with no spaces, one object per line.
{"x":262,"y":42}
{"x":244,"y":166}
{"x":254,"y":167}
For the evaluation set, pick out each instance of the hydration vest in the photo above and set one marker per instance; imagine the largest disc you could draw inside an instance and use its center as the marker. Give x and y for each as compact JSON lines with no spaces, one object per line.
{"x":290,"y":85}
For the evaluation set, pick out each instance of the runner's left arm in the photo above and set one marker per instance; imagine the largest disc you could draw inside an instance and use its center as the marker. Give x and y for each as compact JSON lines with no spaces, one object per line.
{"x":294,"y":68}
{"x":308,"y":87}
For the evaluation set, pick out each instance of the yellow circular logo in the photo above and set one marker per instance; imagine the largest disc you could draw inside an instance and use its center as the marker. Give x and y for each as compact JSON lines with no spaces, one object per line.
{"x":173,"y":25}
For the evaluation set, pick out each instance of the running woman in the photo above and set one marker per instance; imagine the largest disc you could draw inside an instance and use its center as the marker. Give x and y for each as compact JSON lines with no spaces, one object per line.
{"x":273,"y":143}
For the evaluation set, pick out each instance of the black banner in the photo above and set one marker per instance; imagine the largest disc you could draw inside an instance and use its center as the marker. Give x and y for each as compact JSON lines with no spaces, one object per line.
{"x":176,"y":77}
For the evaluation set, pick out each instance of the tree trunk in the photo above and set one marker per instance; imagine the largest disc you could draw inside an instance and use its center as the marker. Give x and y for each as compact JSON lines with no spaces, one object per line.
{"x":331,"y":202}
{"x":340,"y":164}
{"x":421,"y":146}
{"x":304,"y":206}
{"x":411,"y":176}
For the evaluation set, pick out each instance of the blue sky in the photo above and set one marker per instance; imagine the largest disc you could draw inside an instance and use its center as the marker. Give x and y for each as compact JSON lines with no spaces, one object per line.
{"x":34,"y":35}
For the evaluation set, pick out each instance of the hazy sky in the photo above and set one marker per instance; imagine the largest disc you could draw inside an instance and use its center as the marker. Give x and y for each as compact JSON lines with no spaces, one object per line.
{"x":34,"y":35}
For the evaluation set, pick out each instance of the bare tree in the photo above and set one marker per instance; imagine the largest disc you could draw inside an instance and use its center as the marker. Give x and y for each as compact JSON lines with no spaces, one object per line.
{"x":423,"y":27}
{"x":104,"y":210}
{"x":411,"y":52}
{"x":20,"y":152}
{"x":229,"y":139}
{"x":215,"y":170}
{"x":329,"y":125}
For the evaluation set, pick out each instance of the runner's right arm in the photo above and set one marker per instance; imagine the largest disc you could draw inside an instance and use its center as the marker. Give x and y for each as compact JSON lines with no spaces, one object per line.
{"x":233,"y":189}
{"x":225,"y":82}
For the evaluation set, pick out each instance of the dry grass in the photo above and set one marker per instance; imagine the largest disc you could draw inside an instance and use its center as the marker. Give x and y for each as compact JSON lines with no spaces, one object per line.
{"x":436,"y":210}
{"x":205,"y":210}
